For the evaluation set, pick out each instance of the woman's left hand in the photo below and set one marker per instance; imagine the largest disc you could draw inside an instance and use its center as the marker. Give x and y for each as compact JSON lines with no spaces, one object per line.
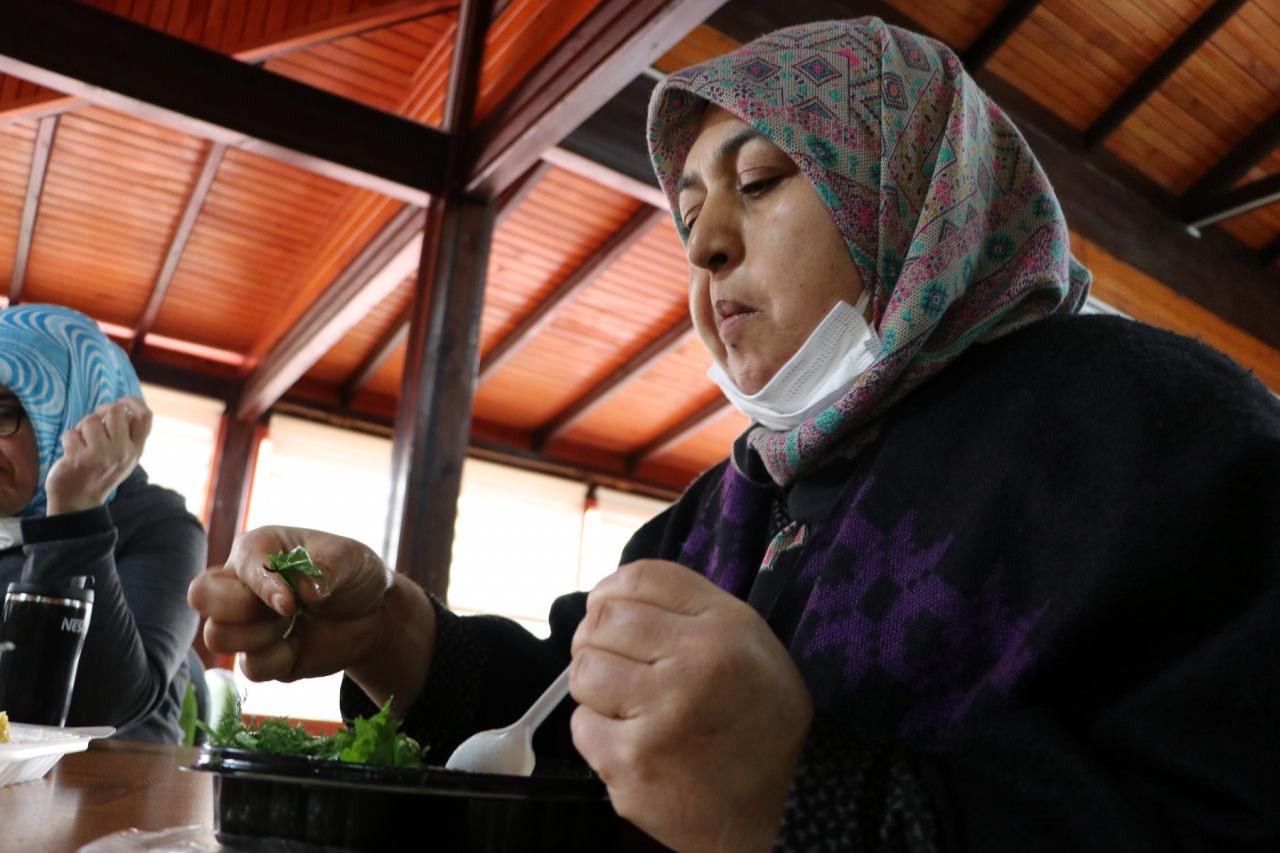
{"x":690,"y":709}
{"x":98,"y":453}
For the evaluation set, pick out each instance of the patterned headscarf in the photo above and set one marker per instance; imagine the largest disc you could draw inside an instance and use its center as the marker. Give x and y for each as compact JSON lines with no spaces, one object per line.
{"x":61,"y":367}
{"x":946,"y":213}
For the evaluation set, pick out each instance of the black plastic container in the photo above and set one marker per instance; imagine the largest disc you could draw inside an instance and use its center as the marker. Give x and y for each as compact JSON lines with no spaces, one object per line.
{"x":267,"y":802}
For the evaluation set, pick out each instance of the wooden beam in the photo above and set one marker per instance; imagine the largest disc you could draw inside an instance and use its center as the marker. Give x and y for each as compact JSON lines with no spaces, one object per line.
{"x":36,"y":107}
{"x":631,"y":232}
{"x":370,"y":277}
{"x":434,"y":414}
{"x":233,"y":466}
{"x":178,"y":244}
{"x":1200,"y":31}
{"x":1249,"y":152}
{"x":678,"y":432}
{"x":31,"y":206}
{"x":113,"y":62}
{"x":653,"y":352}
{"x":398,"y":332}
{"x":1003,"y":25}
{"x":1232,"y":203}
{"x":617,"y":41}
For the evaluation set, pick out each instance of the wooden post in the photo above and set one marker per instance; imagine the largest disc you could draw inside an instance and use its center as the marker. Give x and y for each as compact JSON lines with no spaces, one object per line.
{"x":233,"y":470}
{"x":433,"y":420}
{"x":434,"y":417}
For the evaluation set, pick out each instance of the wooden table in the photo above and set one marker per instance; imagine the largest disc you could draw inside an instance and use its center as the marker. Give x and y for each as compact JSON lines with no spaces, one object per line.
{"x":114,"y":785}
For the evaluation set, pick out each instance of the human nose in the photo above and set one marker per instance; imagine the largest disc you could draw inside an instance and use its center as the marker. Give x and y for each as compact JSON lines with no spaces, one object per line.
{"x":716,"y":240}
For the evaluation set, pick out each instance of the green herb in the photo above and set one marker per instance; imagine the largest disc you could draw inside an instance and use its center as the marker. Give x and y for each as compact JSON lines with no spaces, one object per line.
{"x":375,"y":740}
{"x":190,"y":714}
{"x":289,"y":566}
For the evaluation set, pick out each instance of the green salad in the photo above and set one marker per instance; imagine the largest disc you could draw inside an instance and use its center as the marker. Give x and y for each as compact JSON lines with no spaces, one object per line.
{"x":373,"y":740}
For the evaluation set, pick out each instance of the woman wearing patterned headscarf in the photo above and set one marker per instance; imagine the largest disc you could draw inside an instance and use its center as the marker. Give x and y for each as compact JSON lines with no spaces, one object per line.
{"x":982,"y":574}
{"x":73,"y":502}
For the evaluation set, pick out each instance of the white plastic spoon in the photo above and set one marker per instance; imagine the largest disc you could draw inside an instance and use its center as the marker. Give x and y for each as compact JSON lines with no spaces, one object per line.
{"x":509,"y":750}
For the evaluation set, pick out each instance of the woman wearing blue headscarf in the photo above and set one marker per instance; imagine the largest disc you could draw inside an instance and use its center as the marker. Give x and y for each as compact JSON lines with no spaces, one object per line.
{"x":73,"y":501}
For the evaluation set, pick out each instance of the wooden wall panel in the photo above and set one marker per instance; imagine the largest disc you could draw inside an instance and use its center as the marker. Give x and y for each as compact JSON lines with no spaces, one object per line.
{"x":1146,"y":299}
{"x":1218,"y":96}
{"x":248,"y":248}
{"x":672,"y":389}
{"x":701,"y":44}
{"x":16,"y":144}
{"x":524,"y":34}
{"x":554,"y":230}
{"x":112,"y":195}
{"x":627,"y":306}
{"x":374,"y":68}
{"x":957,"y":22}
{"x":228,"y":25}
{"x":339,"y":363}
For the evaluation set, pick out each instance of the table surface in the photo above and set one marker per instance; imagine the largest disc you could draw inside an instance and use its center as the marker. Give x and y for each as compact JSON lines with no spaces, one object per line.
{"x":113,"y":785}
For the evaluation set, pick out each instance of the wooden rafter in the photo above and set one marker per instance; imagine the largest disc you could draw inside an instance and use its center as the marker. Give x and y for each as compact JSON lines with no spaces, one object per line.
{"x":678,"y":432}
{"x":659,"y":348}
{"x":617,"y":41}
{"x":373,"y":274}
{"x":31,"y":205}
{"x":631,"y":232}
{"x":1233,"y":202}
{"x":178,"y":244}
{"x":1006,"y":21}
{"x":1200,"y":31}
{"x":113,"y":62}
{"x":398,"y":332}
{"x":1249,"y":152}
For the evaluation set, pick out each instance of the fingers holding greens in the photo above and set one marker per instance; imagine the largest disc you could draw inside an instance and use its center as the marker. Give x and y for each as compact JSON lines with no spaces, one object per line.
{"x":292,"y":565}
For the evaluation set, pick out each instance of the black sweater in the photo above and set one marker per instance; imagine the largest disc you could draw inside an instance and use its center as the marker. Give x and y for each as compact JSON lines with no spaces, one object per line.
{"x":143,"y":549}
{"x":1041,"y":611}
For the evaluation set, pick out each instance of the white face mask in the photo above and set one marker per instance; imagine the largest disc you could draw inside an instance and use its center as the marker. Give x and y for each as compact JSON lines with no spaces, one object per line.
{"x":837,"y":352}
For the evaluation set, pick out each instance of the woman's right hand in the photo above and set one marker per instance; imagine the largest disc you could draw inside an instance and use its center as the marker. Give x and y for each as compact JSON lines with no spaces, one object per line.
{"x":363,"y":618}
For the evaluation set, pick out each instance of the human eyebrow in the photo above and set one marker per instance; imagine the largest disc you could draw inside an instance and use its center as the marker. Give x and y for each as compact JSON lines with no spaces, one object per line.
{"x":724,"y":151}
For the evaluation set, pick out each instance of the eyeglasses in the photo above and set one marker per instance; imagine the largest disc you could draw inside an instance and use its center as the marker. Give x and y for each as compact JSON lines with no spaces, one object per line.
{"x":10,"y":419}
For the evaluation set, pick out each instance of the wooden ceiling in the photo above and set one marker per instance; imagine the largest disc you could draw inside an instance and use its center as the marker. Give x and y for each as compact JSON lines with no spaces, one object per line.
{"x":274,"y":278}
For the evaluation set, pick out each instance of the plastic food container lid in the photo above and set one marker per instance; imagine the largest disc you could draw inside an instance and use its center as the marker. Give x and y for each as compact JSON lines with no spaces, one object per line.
{"x":32,"y":751}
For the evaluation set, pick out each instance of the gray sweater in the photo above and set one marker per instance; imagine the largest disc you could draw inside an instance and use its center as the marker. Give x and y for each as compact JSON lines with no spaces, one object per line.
{"x":142,"y":549}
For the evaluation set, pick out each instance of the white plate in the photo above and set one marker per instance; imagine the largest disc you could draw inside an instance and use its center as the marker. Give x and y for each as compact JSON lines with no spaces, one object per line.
{"x":33,"y":750}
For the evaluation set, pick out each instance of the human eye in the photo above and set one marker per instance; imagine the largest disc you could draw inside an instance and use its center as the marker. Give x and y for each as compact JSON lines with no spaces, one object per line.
{"x":690,"y":216}
{"x":759,"y":186}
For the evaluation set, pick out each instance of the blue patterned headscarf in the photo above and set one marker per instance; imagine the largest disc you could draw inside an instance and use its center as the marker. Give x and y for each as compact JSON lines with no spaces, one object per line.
{"x":61,"y":367}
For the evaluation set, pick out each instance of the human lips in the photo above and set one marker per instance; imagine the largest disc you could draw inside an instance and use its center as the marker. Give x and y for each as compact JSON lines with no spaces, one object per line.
{"x":730,"y":314}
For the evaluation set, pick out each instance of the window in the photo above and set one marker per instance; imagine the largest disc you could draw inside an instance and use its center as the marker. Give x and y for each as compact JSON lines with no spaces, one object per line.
{"x":336,"y":480}
{"x":179,"y":451}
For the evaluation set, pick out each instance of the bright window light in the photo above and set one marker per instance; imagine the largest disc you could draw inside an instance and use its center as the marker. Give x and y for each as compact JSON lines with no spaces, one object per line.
{"x":179,"y":451}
